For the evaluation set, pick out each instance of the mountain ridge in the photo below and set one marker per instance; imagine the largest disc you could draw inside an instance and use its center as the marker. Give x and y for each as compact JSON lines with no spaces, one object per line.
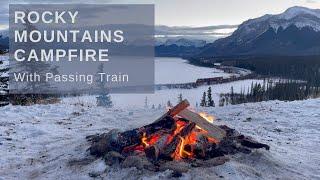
{"x":250,"y":37}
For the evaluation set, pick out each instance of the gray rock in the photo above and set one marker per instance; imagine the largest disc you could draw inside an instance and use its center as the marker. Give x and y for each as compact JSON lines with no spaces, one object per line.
{"x":140,"y":162}
{"x":113,"y":157}
{"x":176,"y":166}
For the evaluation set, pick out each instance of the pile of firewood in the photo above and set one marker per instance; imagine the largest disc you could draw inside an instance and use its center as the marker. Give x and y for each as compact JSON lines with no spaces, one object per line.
{"x":178,"y":140}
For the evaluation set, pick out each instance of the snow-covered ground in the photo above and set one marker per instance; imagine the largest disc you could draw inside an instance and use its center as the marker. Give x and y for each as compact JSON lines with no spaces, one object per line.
{"x":47,"y":141}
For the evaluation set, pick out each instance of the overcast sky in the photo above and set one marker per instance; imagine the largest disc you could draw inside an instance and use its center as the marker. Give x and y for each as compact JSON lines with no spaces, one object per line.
{"x":191,"y":12}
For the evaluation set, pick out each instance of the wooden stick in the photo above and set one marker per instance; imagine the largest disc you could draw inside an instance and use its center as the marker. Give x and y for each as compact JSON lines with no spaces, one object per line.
{"x":175,"y":110}
{"x":213,"y":131}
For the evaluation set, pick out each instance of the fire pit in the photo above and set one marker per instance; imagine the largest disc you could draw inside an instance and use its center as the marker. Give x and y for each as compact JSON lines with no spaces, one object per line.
{"x":178,"y":140}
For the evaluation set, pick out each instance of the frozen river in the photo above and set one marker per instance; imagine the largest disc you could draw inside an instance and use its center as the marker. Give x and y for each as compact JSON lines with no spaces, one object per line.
{"x":177,"y":70}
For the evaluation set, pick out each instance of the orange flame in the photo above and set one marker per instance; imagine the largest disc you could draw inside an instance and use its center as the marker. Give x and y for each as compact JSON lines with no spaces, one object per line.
{"x":185,"y":148}
{"x":144,"y":140}
{"x":180,"y":125}
{"x":207,"y":117}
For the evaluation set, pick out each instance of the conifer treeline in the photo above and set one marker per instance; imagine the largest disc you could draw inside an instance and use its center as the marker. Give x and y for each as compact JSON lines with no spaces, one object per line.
{"x":4,"y":100}
{"x":300,"y":67}
{"x":284,"y":91}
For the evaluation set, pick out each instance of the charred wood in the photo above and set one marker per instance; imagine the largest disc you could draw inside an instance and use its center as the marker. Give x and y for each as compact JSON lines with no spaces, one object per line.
{"x":116,"y":141}
{"x":250,"y":143}
{"x":171,"y":147}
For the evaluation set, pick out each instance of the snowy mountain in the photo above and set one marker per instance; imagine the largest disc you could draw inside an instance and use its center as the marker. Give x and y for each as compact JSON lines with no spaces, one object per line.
{"x":207,"y":33}
{"x":294,"y":32}
{"x":184,"y":36}
{"x":185,"y":42}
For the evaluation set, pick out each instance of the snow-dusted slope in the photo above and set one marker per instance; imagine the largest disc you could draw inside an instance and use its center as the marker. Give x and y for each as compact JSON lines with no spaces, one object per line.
{"x":296,"y":16}
{"x":297,"y":10}
{"x":294,"y":32}
{"x":48,"y":141}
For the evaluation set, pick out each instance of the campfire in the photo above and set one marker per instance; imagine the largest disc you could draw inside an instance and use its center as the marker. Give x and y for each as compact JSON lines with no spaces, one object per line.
{"x":178,"y":140}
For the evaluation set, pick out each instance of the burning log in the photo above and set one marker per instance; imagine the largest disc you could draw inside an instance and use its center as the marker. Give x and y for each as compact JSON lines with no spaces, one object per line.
{"x":213,"y":131}
{"x":153,"y":152}
{"x":177,"y":139}
{"x":175,"y":110}
{"x":132,"y":137}
{"x":117,"y":141}
{"x":201,"y":147}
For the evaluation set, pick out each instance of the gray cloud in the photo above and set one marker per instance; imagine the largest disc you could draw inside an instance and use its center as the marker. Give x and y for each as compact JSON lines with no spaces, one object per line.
{"x":311,"y":1}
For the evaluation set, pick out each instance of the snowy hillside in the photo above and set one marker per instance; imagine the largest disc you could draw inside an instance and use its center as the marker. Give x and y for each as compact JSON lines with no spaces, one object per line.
{"x":48,"y":141}
{"x":295,"y":11}
{"x":294,"y":32}
{"x":297,"y":16}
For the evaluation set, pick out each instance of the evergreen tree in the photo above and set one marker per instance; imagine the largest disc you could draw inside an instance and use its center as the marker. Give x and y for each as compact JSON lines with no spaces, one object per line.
{"x":210,"y":102}
{"x":146,"y":102}
{"x":221,"y":101}
{"x":232,"y":98}
{"x":104,"y":98}
{"x":4,"y":99}
{"x":203,"y":100}
{"x":180,"y":98}
{"x":226,"y":99}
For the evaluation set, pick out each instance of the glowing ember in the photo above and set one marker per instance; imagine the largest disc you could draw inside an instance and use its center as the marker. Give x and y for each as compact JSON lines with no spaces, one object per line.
{"x":185,"y":148}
